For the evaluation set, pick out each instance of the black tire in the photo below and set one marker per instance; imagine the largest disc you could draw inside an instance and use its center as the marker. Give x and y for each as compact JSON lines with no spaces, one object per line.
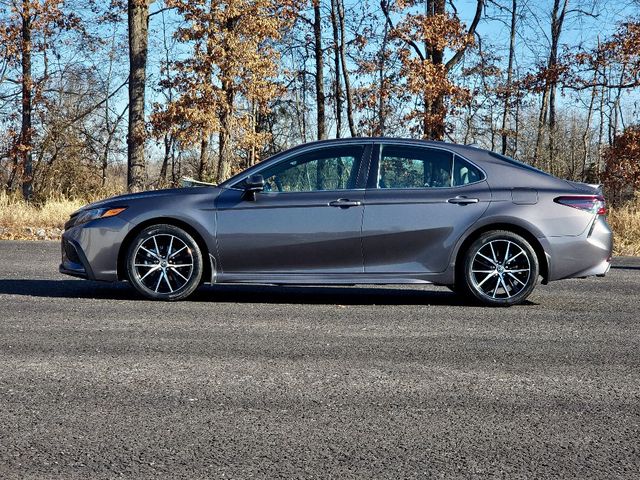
{"x":487,"y":276}
{"x":164,"y":263}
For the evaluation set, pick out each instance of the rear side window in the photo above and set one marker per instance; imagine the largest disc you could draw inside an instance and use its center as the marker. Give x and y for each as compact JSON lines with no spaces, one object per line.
{"x":465,"y":173}
{"x":406,"y":167}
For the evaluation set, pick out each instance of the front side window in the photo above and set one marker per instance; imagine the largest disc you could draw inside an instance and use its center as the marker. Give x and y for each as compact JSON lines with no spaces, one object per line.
{"x":406,"y":167}
{"x":321,"y":170}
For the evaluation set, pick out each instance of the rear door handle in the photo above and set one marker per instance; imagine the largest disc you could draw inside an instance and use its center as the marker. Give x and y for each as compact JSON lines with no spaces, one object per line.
{"x":344,"y":203}
{"x":462,"y":200}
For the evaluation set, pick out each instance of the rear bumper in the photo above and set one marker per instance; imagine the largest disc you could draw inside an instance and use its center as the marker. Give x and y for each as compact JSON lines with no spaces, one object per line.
{"x":584,"y":255}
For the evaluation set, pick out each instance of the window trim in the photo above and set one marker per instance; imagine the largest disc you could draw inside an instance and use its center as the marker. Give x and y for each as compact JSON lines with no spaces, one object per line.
{"x":376,"y":157}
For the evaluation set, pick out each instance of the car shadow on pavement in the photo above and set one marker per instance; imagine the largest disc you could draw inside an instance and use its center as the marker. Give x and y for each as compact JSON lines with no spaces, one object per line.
{"x":321,"y":295}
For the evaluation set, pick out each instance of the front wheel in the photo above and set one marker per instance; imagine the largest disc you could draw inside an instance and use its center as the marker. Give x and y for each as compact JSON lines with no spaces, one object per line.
{"x":500,"y":269}
{"x":164,"y":263}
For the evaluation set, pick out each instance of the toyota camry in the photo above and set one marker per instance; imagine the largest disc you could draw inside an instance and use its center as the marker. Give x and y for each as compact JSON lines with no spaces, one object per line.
{"x":352,"y":211}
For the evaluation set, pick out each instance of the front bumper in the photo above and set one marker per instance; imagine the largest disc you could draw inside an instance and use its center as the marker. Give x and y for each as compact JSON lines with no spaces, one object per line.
{"x":74,"y":261}
{"x":91,"y":250}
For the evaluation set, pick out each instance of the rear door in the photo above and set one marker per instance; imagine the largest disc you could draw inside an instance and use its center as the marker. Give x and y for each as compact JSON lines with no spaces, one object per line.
{"x":419,"y":202}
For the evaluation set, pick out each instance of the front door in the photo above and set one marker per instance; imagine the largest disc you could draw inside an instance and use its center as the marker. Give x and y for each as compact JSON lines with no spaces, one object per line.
{"x":306,"y":222}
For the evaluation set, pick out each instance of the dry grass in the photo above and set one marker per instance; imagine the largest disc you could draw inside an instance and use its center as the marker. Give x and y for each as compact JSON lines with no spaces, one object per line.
{"x":19,"y":220}
{"x":625,"y":222}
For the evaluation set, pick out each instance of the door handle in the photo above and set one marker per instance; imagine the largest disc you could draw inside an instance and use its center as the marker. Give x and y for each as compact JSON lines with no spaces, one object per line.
{"x":462,"y":200}
{"x":344,"y":203}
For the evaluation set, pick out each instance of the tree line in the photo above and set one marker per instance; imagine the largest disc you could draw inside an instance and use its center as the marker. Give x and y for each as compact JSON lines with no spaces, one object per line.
{"x":138,"y":94}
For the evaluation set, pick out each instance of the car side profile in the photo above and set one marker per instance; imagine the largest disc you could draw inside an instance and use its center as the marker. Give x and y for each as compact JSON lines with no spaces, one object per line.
{"x":352,"y":211}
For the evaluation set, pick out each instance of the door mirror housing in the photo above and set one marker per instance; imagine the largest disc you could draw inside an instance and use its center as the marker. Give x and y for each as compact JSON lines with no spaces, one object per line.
{"x":252,"y":185}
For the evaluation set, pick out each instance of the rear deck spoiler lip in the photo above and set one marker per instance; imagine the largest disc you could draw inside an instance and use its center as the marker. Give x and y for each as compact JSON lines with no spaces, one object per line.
{"x":598,"y":187}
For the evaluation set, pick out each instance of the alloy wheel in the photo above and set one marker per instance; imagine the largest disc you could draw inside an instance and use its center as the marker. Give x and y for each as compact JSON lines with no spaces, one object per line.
{"x":500,"y":269}
{"x":163,"y":263}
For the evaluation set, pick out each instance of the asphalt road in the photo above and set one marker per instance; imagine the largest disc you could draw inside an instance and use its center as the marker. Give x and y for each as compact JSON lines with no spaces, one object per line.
{"x":264,"y":382}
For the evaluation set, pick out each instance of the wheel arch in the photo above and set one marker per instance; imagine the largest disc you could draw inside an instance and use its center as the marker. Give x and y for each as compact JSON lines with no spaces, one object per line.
{"x":124,"y":246}
{"x":513,"y":228}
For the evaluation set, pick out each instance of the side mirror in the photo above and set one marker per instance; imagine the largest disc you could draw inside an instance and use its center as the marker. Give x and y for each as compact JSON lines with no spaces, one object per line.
{"x":252,"y":185}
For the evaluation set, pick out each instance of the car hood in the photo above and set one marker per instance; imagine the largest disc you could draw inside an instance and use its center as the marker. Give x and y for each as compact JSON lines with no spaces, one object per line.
{"x":124,"y":200}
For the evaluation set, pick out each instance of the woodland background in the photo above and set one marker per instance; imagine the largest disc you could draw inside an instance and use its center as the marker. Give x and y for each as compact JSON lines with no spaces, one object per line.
{"x":97,"y":98}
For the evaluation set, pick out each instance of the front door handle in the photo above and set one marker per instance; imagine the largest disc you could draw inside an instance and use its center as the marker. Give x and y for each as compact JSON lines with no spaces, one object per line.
{"x":344,"y":203}
{"x":462,"y":200}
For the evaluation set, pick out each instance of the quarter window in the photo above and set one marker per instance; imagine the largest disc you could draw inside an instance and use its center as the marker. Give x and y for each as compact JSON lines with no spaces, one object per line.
{"x":465,"y":173}
{"x":326,"y":169}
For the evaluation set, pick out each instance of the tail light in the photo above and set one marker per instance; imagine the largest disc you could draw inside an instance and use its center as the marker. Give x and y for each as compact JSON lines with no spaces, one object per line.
{"x":588,"y":203}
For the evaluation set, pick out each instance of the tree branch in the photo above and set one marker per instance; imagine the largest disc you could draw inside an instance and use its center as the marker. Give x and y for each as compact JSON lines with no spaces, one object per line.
{"x":385,"y":9}
{"x":472,"y":30}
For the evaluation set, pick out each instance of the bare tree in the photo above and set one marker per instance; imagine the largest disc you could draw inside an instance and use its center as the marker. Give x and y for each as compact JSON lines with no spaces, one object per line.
{"x":319,"y":73}
{"x":509,"y":85}
{"x":138,"y":16}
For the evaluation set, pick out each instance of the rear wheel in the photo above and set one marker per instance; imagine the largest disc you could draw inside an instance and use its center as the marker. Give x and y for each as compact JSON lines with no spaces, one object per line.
{"x":164,"y":263}
{"x":500,"y":269}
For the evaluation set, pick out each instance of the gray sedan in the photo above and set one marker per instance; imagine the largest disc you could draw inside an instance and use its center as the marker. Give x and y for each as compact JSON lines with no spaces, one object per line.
{"x":352,"y":211}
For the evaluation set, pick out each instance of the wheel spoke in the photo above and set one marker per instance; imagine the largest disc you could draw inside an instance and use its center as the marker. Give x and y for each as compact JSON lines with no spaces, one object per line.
{"x":166,"y":277}
{"x":181,"y":266}
{"x":486,"y":258}
{"x":515,"y":256}
{"x":177,"y":272}
{"x":158,"y":284}
{"x":483,"y":271}
{"x":495,"y":290}
{"x":485,"y":279}
{"x":156,"y":244}
{"x":150,"y":252}
{"x":506,"y":254}
{"x":493,"y":253}
{"x":170,"y":246}
{"x":154,"y":269}
{"x":177,"y":252}
{"x":518,"y":270}
{"x":516,"y":279}
{"x":504,"y":285}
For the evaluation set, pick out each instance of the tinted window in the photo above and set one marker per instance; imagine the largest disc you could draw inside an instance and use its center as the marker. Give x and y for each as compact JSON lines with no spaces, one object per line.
{"x":326,"y":169}
{"x":406,"y":167}
{"x":464,"y":173}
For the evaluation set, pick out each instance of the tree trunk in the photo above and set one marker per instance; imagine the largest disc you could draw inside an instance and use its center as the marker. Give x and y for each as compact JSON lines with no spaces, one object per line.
{"x":382,"y":87}
{"x":320,"y":98}
{"x":203,"y":163}
{"x":542,"y":122}
{"x":587,"y":128}
{"x":549,"y":93}
{"x":337,"y":91}
{"x":138,"y":39}
{"x":224,"y":161}
{"x":26,"y":134}
{"x":168,"y":145}
{"x":507,"y":96}
{"x":345,"y":70}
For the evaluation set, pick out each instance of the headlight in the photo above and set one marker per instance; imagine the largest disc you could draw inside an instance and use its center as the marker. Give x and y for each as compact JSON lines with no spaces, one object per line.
{"x":93,"y":214}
